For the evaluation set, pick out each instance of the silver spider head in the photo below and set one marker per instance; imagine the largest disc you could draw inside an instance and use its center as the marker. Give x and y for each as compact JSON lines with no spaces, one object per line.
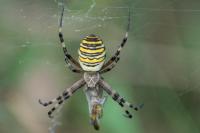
{"x":91,"y":79}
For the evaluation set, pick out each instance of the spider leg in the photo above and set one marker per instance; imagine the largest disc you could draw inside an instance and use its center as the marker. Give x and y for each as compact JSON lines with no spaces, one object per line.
{"x":65,"y":95}
{"x":120,"y":100}
{"x":71,"y":62}
{"x":115,"y":58}
{"x":50,"y":102}
{"x":110,"y":67}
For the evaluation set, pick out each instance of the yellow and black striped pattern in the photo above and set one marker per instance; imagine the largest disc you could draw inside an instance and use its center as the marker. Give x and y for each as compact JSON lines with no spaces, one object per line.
{"x":91,"y":53}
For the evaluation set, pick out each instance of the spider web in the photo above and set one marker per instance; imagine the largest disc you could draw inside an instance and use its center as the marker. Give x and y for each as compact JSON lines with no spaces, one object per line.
{"x":105,"y":17}
{"x":96,"y":17}
{"x":80,"y":22}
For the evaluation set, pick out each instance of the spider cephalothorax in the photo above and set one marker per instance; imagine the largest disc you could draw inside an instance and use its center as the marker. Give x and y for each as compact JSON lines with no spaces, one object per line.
{"x":91,"y":62}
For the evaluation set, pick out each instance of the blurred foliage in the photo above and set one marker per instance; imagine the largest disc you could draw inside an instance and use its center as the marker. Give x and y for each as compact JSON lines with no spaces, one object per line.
{"x":159,"y":66}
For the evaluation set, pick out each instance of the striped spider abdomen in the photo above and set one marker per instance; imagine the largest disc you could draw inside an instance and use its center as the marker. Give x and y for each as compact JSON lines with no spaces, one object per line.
{"x":91,"y":53}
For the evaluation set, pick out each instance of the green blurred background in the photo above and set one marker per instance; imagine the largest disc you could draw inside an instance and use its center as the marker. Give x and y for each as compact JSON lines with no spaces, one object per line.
{"x":159,"y":66}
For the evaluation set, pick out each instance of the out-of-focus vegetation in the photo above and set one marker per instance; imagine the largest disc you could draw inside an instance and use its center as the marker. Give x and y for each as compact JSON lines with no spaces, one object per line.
{"x":159,"y":66}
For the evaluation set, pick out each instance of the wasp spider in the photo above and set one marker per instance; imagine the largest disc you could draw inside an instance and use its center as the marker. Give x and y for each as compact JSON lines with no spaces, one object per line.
{"x":92,"y":55}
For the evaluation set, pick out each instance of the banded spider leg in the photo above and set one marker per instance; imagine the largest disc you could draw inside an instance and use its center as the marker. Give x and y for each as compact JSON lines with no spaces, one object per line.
{"x":65,"y":95}
{"x":120,"y":100}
